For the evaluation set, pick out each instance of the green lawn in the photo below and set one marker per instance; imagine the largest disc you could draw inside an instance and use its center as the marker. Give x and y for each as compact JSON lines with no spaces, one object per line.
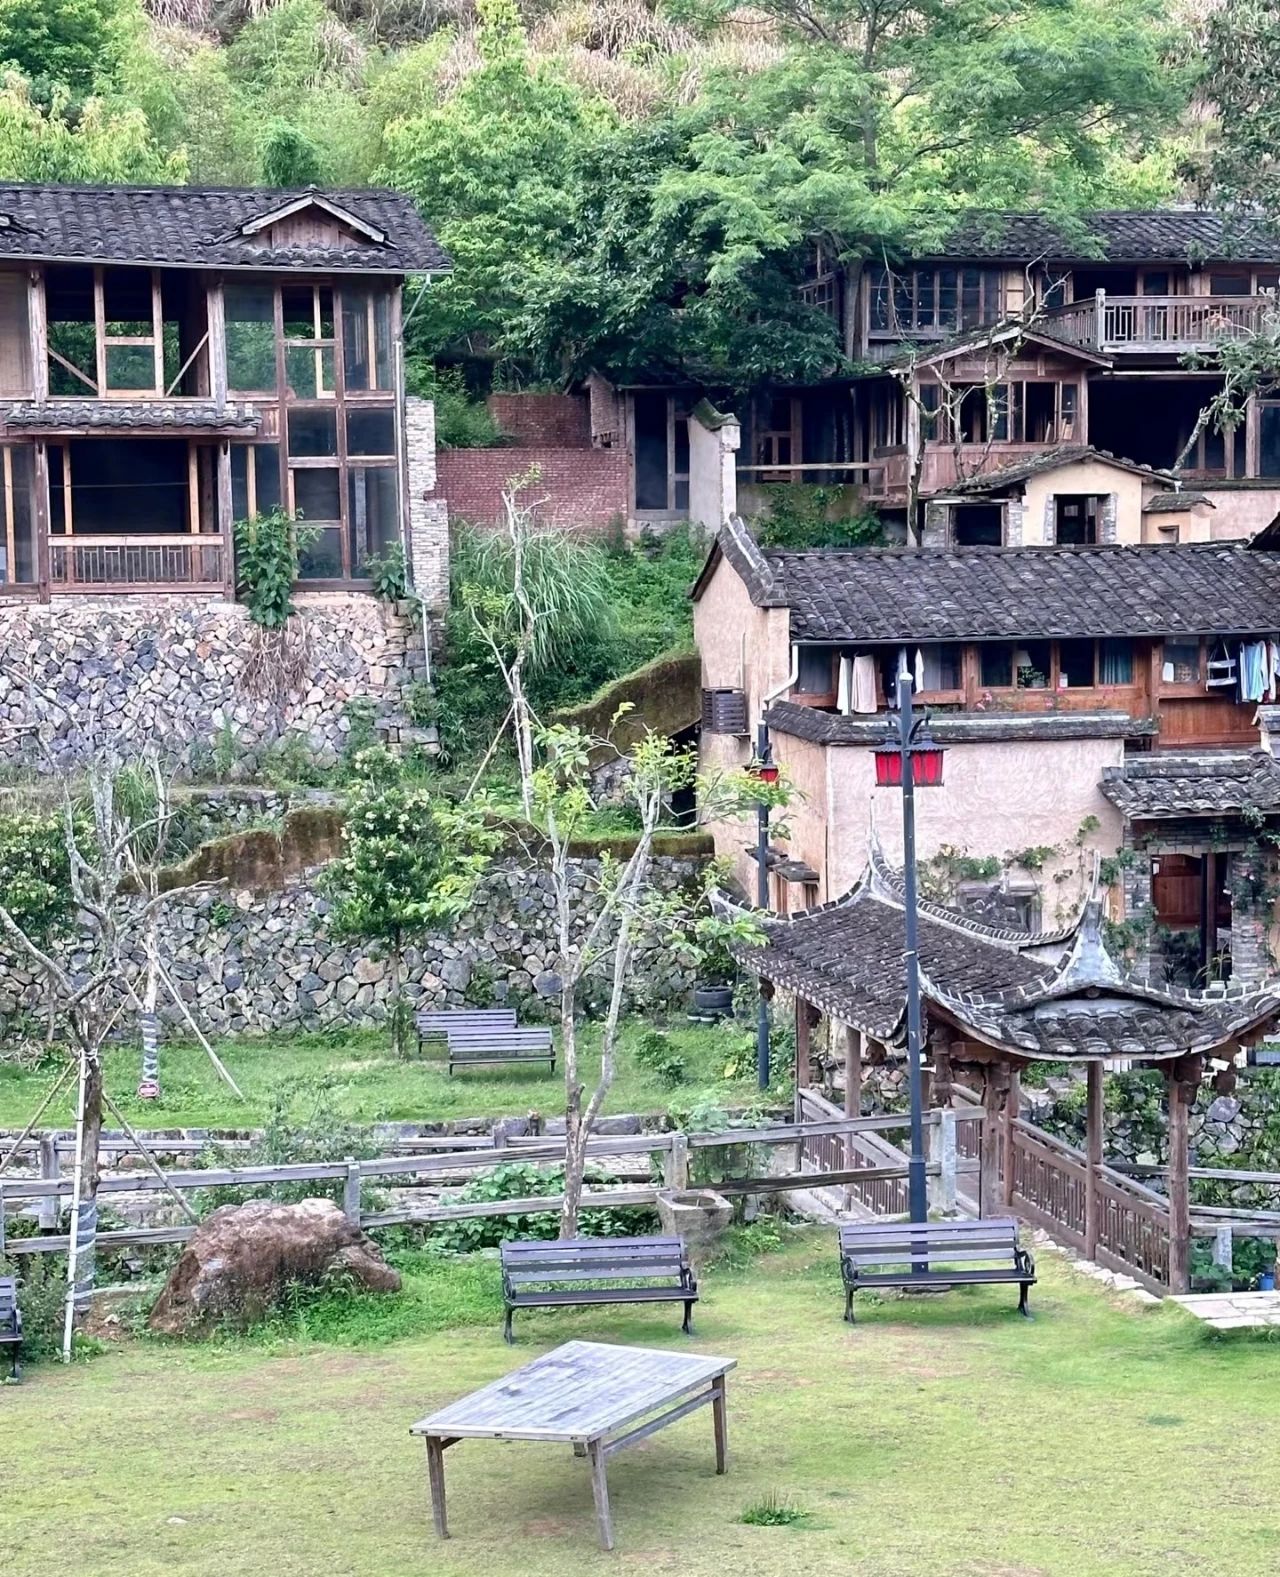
{"x":368,"y":1083}
{"x":940,"y":1437}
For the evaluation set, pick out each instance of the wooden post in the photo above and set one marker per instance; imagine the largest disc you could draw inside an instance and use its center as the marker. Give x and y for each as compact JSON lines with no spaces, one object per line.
{"x":853,"y":1043}
{"x":215,"y":309}
{"x":600,"y":1493}
{"x":351,"y":1192}
{"x":1093,"y":1158}
{"x":1010,"y":1117}
{"x":1183,"y":1077}
{"x":50,"y":1171}
{"x":1100,"y":319}
{"x":803,"y":1031}
{"x":720,"y":1415}
{"x":1223,"y":1248}
{"x":435,"y":1477}
{"x":995,"y":1090}
{"x":677,"y":1165}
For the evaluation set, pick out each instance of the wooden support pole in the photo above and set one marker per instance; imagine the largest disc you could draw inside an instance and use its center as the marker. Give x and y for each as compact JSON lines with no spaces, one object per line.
{"x":351,"y":1192}
{"x":853,"y":1044}
{"x":995,"y":1090}
{"x":803,"y":1031}
{"x":1093,"y":1158}
{"x":1010,"y":1117}
{"x":1183,"y":1077}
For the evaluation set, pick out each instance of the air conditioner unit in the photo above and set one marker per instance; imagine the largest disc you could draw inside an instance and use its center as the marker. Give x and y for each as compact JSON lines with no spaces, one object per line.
{"x":725,"y":712}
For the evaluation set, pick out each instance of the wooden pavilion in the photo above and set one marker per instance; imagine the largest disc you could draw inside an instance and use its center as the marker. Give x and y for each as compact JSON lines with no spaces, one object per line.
{"x":995,"y":1000}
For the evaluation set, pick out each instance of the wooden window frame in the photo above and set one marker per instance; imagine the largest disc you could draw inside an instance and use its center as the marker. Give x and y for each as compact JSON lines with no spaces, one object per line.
{"x":104,"y":341}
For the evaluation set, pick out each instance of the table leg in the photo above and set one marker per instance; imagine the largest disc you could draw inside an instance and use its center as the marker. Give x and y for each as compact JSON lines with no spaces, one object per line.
{"x":720,"y":1416}
{"x":435,"y":1475}
{"x":600,"y":1490}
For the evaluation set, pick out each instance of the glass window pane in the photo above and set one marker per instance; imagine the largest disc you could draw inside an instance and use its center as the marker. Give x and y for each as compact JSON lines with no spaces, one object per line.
{"x":320,"y":554}
{"x":925,"y":315}
{"x":680,"y":495}
{"x":313,"y":432}
{"x":315,"y":493}
{"x":357,"y":349}
{"x":1269,"y":440}
{"x":941,"y":667}
{"x":881,"y":315}
{"x":1031,"y":663}
{"x":17,"y":517}
{"x":258,"y":464}
{"x":997,"y":665}
{"x":131,"y":367}
{"x":239,"y":481}
{"x":266,"y":476}
{"x":1181,"y":662}
{"x":371,"y":429}
{"x":1115,"y":662}
{"x":308,"y":371}
{"x":372,"y":513}
{"x":299,"y":309}
{"x":1075,"y":665}
{"x":250,"y":337}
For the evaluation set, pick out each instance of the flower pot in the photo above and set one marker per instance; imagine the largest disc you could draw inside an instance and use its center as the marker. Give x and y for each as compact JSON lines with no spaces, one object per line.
{"x":713,"y":1001}
{"x":698,"y":1215}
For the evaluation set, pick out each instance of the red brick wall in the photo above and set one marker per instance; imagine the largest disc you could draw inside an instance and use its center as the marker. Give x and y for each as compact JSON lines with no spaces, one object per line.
{"x":577,"y":487}
{"x":561,"y":421}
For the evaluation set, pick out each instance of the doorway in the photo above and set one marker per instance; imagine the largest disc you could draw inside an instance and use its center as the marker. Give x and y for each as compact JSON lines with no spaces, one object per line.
{"x":1191,"y":897}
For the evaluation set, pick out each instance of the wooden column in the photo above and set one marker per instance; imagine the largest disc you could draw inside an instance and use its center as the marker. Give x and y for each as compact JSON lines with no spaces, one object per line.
{"x":1183,"y":1078}
{"x":803,"y":1027}
{"x":1011,"y":1101}
{"x":995,"y":1095}
{"x":853,"y":1042}
{"x":1093,"y":1158}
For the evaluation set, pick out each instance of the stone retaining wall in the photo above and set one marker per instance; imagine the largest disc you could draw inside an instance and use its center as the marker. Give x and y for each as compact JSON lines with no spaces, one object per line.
{"x":254,"y":962}
{"x":133,"y":670}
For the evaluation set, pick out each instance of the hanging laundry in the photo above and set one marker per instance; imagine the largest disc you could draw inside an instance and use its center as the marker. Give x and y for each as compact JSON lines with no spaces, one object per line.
{"x":864,"y":683}
{"x":919,"y":674}
{"x":1253,"y":670}
{"x":1273,"y":669}
{"x":844,"y":687}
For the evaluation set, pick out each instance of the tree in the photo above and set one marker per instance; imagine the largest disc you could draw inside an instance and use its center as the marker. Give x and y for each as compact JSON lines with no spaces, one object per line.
{"x":289,"y":158}
{"x":594,"y":940}
{"x":410,"y":862}
{"x":1240,"y":48}
{"x":65,"y":43}
{"x":103,"y":145}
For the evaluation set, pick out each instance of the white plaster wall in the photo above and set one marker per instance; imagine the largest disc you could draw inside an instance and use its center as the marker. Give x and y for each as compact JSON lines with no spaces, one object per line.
{"x":1085,"y":476}
{"x":1241,"y":511}
{"x":713,"y":476}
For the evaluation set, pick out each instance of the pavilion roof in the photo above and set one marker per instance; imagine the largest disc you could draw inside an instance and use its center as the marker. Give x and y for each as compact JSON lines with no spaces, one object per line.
{"x":847,"y":959}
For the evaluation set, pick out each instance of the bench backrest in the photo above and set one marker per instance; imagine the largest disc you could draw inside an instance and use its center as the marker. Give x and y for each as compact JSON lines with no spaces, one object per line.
{"x":653,"y":1260}
{"x":8,"y":1296}
{"x":500,"y":1037}
{"x":483,"y":1050}
{"x":439,"y":1021}
{"x":873,"y":1244}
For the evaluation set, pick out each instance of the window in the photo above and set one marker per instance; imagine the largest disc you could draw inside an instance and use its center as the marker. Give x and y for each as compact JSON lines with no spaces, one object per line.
{"x":1075,"y":665}
{"x":15,"y":334}
{"x":250,"y":338}
{"x":313,"y":432}
{"x":1076,"y":519}
{"x":977,"y":525}
{"x":17,"y":517}
{"x":1181,"y":662}
{"x":661,"y":448}
{"x":1115,"y":662}
{"x":373,"y":514}
{"x":775,"y":439}
{"x":1031,"y":664}
{"x":940,"y":300}
{"x":942,"y":668}
{"x":815,"y":671}
{"x":1269,"y":439}
{"x":255,"y":480}
{"x":366,"y":339}
{"x":997,"y":665}
{"x":371,"y":430}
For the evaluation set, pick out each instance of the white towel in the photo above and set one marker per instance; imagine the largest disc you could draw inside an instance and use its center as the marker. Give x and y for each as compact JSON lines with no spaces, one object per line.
{"x":844,"y":687}
{"x":919,"y":670}
{"x":864,"y":683}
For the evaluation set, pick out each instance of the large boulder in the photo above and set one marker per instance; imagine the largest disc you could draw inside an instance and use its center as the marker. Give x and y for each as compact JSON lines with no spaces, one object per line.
{"x":240,"y":1261}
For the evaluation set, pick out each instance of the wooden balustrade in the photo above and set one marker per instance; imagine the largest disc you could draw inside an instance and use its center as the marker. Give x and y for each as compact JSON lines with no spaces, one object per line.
{"x":170,"y":562}
{"x":1165,"y":323}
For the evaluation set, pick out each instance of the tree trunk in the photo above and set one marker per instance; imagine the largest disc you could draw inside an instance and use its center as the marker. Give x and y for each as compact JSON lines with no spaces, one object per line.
{"x":574,"y":1134}
{"x":398,"y":1037}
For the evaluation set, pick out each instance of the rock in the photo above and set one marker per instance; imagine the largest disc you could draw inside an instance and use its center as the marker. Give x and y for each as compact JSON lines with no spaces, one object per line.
{"x":238,"y":1264}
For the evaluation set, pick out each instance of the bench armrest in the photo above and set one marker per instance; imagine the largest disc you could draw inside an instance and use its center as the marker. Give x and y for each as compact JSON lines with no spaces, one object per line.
{"x":1026,"y":1261}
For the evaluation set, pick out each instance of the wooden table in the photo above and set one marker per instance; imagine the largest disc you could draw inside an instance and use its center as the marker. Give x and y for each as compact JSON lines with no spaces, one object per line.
{"x":597,"y":1398}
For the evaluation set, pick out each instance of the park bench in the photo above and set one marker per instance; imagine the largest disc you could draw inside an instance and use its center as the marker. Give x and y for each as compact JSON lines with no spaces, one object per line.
{"x":579,"y":1271}
{"x":436,"y":1023}
{"x":468,"y":1049}
{"x":933,"y":1254}
{"x":10,"y":1321}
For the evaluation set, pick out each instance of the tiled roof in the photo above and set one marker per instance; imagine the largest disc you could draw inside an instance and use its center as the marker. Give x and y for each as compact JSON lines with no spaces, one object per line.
{"x":1160,"y":786}
{"x":133,"y":416}
{"x":1027,"y":466}
{"x":1169,"y":503}
{"x":1162,"y":235}
{"x":202,"y":226}
{"x":846,"y":958}
{"x":884,"y":595}
{"x":954,"y":728}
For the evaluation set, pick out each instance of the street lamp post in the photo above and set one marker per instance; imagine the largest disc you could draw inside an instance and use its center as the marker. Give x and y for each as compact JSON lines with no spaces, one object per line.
{"x":764,"y":768}
{"x":910,"y":757}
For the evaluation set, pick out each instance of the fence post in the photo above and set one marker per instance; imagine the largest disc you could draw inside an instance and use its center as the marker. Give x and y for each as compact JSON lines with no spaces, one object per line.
{"x":676,"y":1169}
{"x":942,"y":1150}
{"x":1222,"y":1247}
{"x":49,"y":1210}
{"x":351,"y":1192}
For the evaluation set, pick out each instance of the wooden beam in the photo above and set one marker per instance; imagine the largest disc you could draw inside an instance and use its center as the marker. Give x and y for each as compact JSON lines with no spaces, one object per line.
{"x":193,"y":487}
{"x":1183,"y":1078}
{"x":100,"y":331}
{"x":1093,"y":1156}
{"x":215,"y":309}
{"x":157,"y":330}
{"x":39,"y":336}
{"x":853,"y":1039}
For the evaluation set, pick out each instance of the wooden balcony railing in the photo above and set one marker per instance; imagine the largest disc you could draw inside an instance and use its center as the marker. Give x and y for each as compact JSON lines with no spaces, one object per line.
{"x":171,"y":562}
{"x":1176,"y":324}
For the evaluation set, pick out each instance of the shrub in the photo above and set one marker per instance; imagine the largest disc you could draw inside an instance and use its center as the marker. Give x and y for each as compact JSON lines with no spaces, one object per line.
{"x":652,"y":1049}
{"x":389,"y":574}
{"x":774,"y":1510}
{"x":524,"y":1180}
{"x":42,"y":1297}
{"x":798,"y":517}
{"x":267,"y":550}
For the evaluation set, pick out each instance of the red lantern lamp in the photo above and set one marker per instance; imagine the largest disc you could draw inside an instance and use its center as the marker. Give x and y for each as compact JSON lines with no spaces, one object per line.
{"x":766,"y":771}
{"x":926,"y":763}
{"x":888,"y":764}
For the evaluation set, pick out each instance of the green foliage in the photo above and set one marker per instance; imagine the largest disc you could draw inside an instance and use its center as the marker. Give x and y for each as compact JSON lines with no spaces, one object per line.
{"x":1034,"y":858}
{"x":801,"y":516}
{"x":462,"y":422}
{"x":1240,"y":50}
{"x":289,"y":157}
{"x":70,"y":43}
{"x":773,"y":1510}
{"x":267,"y":565}
{"x":655,"y":1052}
{"x":523,"y":1180}
{"x":96,"y":144}
{"x":35,"y":874}
{"x":42,"y":1296}
{"x":389,"y":574}
{"x":421,"y":704}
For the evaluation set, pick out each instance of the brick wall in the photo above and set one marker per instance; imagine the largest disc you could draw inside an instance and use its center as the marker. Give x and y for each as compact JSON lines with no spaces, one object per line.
{"x":558,"y":421}
{"x":586,"y":488}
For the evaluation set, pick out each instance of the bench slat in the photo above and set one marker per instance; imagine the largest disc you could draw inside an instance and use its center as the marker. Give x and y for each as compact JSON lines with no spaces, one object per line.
{"x":938,"y":1278}
{"x":949,"y":1256}
{"x":533,"y":1278}
{"x":585,"y":1295}
{"x":515,"y":1249}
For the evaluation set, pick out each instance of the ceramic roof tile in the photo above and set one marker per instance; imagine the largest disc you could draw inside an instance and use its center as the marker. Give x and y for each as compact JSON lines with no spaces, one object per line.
{"x":1117,"y":236}
{"x":1164,"y":786}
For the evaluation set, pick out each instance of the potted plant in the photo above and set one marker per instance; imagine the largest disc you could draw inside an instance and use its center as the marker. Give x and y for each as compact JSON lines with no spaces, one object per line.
{"x":717,"y":969}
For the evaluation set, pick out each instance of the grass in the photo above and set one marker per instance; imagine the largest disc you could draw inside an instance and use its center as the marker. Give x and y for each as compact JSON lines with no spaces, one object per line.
{"x":368,"y":1083}
{"x":940,"y":1437}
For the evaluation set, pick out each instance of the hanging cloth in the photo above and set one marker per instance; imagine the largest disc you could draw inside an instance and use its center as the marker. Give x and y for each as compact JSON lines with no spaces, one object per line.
{"x":844,"y":687}
{"x":864,"y":683}
{"x":919,"y":672}
{"x":1253,"y":670}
